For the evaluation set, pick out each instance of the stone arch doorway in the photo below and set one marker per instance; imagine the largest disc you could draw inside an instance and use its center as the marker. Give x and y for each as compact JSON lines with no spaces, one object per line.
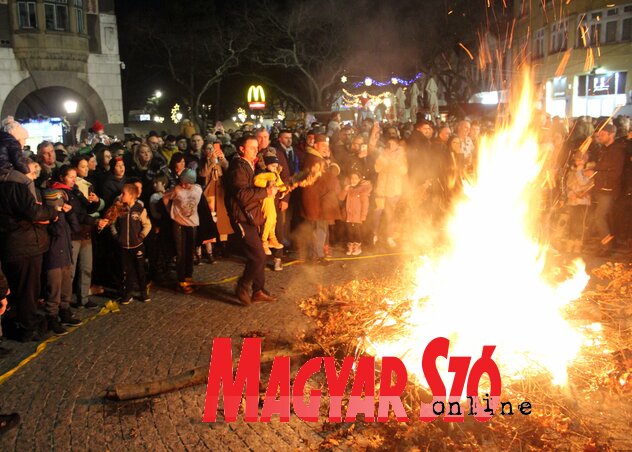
{"x":46,"y":91}
{"x":49,"y":102}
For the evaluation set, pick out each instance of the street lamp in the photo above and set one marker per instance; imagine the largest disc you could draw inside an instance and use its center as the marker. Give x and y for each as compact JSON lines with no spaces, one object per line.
{"x":158,"y":94}
{"x":70,"y":106}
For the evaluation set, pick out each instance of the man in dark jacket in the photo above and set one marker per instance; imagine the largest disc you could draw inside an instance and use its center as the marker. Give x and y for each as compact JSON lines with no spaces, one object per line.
{"x":609,"y":170}
{"x":288,"y":161}
{"x":244,"y":200}
{"x":23,"y":242}
{"x":419,"y":152}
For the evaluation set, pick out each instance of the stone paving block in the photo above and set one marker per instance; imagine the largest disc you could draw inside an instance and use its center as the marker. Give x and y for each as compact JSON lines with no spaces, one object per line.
{"x":59,"y":393}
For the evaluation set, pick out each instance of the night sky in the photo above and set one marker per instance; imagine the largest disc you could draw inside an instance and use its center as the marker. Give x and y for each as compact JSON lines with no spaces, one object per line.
{"x":375,"y":38}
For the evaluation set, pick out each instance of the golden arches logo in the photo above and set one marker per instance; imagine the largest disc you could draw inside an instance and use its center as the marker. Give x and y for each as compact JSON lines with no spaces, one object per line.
{"x":256,"y":94}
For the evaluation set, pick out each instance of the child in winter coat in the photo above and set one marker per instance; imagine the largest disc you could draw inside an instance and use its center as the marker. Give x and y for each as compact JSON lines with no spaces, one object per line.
{"x":578,"y":187}
{"x":58,"y":263}
{"x":129,"y":229}
{"x":271,"y":176}
{"x":13,"y":165}
{"x":355,"y":195}
{"x":182,"y":202}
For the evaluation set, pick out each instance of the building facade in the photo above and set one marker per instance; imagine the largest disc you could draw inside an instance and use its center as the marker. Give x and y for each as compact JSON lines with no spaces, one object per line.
{"x":56,"y":51}
{"x":580,"y":51}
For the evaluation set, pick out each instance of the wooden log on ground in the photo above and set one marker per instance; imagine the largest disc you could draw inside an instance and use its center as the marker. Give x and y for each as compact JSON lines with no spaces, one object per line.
{"x":191,"y":377}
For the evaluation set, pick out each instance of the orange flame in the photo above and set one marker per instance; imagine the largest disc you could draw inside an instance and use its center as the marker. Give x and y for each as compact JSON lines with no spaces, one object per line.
{"x":489,"y":287}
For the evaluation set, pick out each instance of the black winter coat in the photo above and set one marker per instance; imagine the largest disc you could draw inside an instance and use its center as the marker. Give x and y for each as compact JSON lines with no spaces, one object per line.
{"x":81,"y":209}
{"x":241,"y":193}
{"x":20,"y":235}
{"x":59,"y":253}
{"x":112,"y":187}
{"x":11,"y":154}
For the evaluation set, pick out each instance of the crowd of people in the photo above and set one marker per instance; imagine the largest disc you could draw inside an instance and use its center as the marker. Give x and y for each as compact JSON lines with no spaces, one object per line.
{"x":109,"y":215}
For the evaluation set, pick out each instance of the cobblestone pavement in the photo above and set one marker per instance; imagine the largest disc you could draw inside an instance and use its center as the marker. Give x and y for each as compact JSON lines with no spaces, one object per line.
{"x":59,"y":394}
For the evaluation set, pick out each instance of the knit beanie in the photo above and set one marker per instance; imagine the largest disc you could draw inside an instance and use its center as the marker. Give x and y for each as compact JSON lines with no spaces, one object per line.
{"x":188,"y":176}
{"x":54,"y":197}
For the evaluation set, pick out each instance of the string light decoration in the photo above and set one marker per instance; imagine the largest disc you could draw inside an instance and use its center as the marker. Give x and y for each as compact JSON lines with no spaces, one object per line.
{"x":351,"y":100}
{"x":368,"y":81}
{"x":176,"y":115}
{"x":241,"y":114}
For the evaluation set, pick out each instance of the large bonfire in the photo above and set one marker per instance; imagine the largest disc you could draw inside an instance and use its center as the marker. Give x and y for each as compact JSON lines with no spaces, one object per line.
{"x":488,"y":286}
{"x":492,"y":281}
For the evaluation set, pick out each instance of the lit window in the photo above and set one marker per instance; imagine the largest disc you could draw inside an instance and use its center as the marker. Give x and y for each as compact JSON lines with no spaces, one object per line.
{"x":27,"y":15}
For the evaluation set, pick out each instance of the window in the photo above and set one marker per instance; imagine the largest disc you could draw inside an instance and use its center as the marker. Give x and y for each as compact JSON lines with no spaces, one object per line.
{"x":601,"y":84}
{"x":27,"y":15}
{"x":611,"y":31}
{"x":559,"y":36}
{"x":56,"y":14}
{"x":626,"y":31}
{"x":79,"y":13}
{"x":538,"y":43}
{"x":617,"y":23}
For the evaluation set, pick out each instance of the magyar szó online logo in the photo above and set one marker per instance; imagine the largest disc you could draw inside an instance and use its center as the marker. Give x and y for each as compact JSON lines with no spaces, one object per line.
{"x":284,"y":395}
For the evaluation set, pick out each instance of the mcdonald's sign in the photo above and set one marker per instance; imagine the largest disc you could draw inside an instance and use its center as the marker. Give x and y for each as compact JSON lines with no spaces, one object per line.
{"x":256,"y":97}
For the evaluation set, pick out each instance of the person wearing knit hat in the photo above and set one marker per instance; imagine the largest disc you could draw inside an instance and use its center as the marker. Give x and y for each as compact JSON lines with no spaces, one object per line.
{"x":55,"y":198}
{"x":188,"y":176}
{"x":182,"y":203}
{"x":98,"y":127}
{"x":13,"y":164}
{"x":58,"y":263}
{"x":270,"y":159}
{"x":99,"y":134}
